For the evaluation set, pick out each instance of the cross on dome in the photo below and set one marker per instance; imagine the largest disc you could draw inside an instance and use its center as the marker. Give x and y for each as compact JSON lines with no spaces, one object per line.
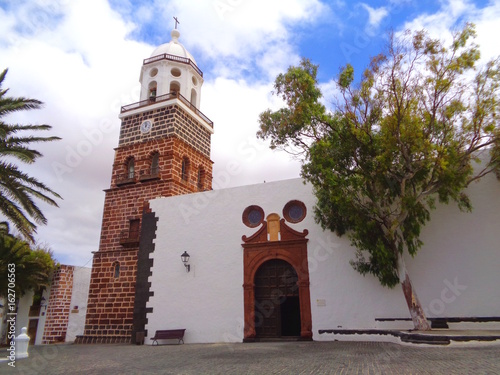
{"x":174,"y":47}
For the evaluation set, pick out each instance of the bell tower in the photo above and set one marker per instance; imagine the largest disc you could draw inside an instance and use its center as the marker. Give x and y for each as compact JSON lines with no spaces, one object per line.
{"x":163,"y":150}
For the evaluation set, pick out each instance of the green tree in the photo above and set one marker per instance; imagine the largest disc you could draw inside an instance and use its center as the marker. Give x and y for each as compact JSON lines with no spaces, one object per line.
{"x":33,"y":268}
{"x":18,"y":190}
{"x":406,"y":136}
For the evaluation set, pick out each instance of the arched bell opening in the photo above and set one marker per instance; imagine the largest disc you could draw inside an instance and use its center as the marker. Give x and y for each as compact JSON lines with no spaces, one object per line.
{"x":194,"y":96}
{"x":175,"y":88}
{"x":152,"y":90}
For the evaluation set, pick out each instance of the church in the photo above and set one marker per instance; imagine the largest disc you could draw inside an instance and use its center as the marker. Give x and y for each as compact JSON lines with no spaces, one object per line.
{"x":250,"y":263}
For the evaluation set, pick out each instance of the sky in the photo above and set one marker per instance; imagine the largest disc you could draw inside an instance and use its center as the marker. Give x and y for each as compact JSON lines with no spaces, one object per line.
{"x":82,"y":58}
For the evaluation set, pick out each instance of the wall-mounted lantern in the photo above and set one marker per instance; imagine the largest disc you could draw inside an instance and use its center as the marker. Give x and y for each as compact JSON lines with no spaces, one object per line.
{"x":185,"y":260}
{"x":43,"y":303}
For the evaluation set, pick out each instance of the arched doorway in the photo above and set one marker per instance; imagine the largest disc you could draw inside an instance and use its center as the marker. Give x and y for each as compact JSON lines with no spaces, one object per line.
{"x":273,"y":251}
{"x":277,"y":304}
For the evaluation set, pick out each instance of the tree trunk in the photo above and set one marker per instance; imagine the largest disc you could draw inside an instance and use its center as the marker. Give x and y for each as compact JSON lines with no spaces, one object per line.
{"x":417,"y":313}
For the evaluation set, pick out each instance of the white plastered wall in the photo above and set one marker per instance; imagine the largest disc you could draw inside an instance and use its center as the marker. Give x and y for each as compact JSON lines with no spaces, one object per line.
{"x":456,"y":272}
{"x":460,"y":253}
{"x":23,"y":310}
{"x":78,"y":308}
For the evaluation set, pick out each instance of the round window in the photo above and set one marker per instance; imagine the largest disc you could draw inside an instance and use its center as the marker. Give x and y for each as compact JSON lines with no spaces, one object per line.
{"x":294,"y":211}
{"x":176,"y":72}
{"x":195,"y":81}
{"x":253,"y":216}
{"x":153,"y":72}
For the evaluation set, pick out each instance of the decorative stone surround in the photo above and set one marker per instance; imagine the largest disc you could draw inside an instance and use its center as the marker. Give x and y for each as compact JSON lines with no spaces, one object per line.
{"x":290,"y":246}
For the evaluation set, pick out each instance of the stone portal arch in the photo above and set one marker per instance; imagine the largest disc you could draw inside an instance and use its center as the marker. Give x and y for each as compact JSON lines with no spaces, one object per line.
{"x":292,"y":249}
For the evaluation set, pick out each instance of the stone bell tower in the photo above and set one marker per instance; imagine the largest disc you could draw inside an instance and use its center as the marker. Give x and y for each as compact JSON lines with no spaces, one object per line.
{"x":163,"y":150}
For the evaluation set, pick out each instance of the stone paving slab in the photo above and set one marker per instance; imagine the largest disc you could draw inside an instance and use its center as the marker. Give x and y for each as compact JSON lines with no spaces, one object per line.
{"x":259,"y":358}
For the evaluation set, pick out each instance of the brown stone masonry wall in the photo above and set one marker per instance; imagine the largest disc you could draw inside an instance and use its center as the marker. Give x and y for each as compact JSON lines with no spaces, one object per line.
{"x":167,"y":121}
{"x":124,"y":203}
{"x":111,"y":300}
{"x":59,"y":305}
{"x":191,"y":132}
{"x":171,"y":151}
{"x":163,"y":126}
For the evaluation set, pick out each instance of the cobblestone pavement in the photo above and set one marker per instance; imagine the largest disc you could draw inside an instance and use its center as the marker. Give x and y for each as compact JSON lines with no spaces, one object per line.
{"x":259,"y":358}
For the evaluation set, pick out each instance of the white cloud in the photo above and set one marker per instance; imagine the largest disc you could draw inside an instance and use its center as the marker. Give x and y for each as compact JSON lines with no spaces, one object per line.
{"x":78,"y":62}
{"x":234,"y":106}
{"x":454,"y":14}
{"x":331,"y":94}
{"x":488,"y":30}
{"x":245,"y":32}
{"x":375,"y":17}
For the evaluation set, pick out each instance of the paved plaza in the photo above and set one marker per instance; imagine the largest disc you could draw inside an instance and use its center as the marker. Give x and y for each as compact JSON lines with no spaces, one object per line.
{"x":259,"y":358}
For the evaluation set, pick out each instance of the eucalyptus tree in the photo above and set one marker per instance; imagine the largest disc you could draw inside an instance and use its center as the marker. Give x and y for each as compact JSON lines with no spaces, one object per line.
{"x":407,"y":135}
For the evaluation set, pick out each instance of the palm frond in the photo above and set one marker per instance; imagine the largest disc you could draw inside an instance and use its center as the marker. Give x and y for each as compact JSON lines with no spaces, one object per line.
{"x":18,"y":190}
{"x":17,"y":217}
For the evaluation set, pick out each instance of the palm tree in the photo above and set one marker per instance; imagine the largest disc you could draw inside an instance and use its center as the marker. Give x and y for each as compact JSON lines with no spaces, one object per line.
{"x":18,"y":190}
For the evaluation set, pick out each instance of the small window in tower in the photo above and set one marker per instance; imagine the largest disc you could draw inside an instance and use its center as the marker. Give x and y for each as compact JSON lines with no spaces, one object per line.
{"x":130,"y":237}
{"x":116,"y":270}
{"x":185,"y":168}
{"x":133,"y":232}
{"x":201,"y":178}
{"x":155,"y":164}
{"x":131,"y":168}
{"x":176,"y":72}
{"x":194,"y":80}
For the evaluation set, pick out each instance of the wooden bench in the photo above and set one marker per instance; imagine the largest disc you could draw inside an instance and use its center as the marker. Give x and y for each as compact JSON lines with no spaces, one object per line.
{"x":168,"y":334}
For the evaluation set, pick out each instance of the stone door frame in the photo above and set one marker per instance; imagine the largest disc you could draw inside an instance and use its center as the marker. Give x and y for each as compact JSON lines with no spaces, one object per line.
{"x":295,"y":253}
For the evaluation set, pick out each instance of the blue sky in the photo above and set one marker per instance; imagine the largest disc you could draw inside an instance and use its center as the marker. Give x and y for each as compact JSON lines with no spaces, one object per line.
{"x":82,"y":58}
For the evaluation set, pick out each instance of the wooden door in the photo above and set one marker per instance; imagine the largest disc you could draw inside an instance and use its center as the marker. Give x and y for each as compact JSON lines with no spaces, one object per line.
{"x":277,"y":307}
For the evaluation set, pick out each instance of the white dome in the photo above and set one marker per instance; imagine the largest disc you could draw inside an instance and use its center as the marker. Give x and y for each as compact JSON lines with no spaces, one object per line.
{"x":173,"y":48}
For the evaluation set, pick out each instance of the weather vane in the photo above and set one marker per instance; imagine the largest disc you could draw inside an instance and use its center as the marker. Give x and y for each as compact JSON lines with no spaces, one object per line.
{"x":176,"y":22}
